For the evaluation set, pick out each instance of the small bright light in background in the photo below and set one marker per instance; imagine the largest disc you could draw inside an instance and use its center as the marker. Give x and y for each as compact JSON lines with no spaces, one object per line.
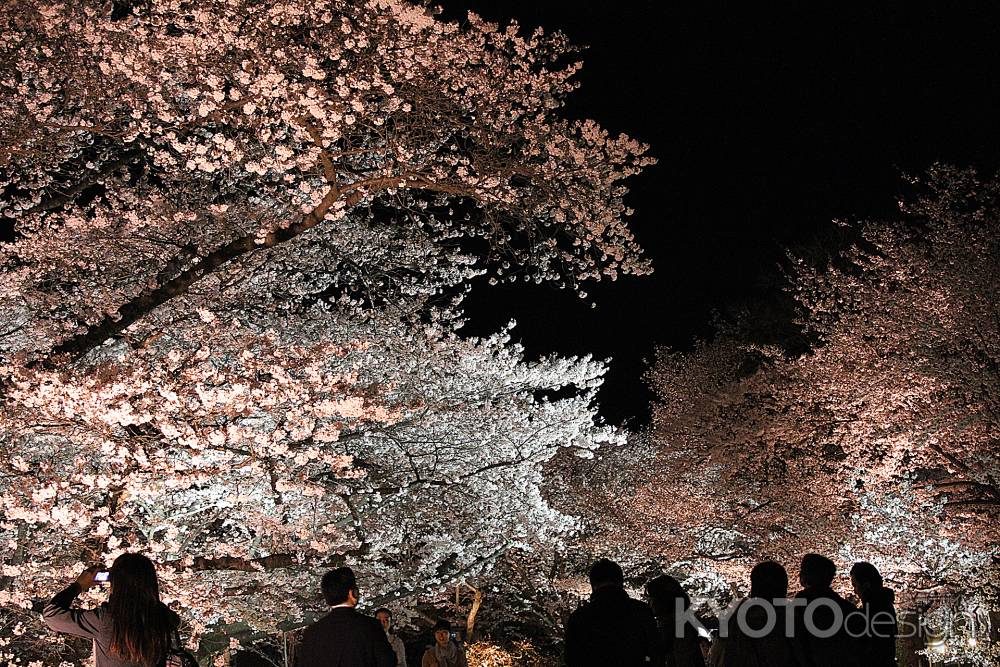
{"x":972,"y":641}
{"x":704,"y":632}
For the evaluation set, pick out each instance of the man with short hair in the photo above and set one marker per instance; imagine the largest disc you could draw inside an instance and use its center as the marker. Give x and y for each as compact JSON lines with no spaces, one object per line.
{"x":344,"y":637}
{"x":612,"y":629}
{"x":822,"y":616}
{"x":384,"y":616}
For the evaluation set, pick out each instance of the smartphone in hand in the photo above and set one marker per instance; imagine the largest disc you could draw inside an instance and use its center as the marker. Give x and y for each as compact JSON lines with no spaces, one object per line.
{"x":101,"y":577}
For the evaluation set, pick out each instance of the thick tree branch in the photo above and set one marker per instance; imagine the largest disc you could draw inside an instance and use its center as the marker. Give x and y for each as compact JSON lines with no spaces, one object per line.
{"x":77,"y":346}
{"x":82,"y":343}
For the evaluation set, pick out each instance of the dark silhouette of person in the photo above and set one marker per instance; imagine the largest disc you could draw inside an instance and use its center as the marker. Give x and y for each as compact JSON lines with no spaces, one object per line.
{"x":344,"y":637}
{"x":879,"y":613}
{"x":671,"y":606}
{"x":612,"y":629}
{"x":822,"y":615}
{"x":756,"y":633}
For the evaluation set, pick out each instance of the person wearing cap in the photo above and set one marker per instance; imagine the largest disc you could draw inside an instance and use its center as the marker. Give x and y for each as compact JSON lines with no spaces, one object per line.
{"x":446,"y":651}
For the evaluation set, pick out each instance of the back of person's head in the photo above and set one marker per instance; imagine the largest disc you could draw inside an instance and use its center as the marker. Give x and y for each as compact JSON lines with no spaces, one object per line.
{"x":867,"y":575}
{"x":338,"y":584}
{"x":768,"y":580}
{"x":817,"y":571}
{"x":606,"y":573}
{"x":140,"y":624}
{"x":663,"y":592}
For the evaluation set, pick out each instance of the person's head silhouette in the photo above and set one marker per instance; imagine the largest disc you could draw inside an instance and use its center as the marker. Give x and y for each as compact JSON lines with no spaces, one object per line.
{"x":817,"y":572}
{"x":866,"y":579}
{"x":606,"y":573}
{"x":665,"y":595}
{"x":768,"y":580}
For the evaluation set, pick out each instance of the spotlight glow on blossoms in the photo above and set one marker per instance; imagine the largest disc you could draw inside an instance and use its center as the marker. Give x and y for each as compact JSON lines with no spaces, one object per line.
{"x":227,"y":315}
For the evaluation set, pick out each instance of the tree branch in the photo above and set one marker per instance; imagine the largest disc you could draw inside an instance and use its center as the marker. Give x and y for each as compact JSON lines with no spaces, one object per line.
{"x":77,"y":346}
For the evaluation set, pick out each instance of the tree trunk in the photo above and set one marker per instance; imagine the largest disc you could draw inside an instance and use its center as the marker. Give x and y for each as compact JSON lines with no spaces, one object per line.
{"x":912,"y":641}
{"x":470,"y":621}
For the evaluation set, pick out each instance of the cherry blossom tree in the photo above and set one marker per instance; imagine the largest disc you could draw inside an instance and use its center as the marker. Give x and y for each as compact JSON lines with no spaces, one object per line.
{"x":239,"y":238}
{"x":236,"y":129}
{"x":879,"y":443}
{"x":247,"y":470}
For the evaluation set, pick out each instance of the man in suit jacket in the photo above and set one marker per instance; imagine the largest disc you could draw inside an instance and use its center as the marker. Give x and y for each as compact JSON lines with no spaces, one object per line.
{"x":344,"y":637}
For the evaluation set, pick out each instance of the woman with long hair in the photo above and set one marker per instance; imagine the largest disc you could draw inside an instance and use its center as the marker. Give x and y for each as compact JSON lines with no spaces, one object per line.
{"x":878,"y":614}
{"x":132,"y":629}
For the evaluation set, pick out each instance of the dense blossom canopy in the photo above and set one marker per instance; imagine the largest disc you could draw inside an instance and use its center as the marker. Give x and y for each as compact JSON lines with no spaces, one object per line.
{"x":237,"y":234}
{"x":141,"y":152}
{"x":878,"y":444}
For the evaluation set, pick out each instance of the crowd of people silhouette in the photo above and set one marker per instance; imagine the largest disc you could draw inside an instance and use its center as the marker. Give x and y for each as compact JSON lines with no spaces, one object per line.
{"x":815,"y":628}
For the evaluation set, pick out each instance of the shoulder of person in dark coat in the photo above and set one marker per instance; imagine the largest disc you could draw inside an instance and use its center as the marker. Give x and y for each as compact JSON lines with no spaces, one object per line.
{"x":374,"y":625}
{"x":581,"y":609}
{"x":846,"y":605}
{"x":811,"y":594}
{"x":639,"y":607}
{"x":617,"y":600}
{"x":884,"y":598}
{"x":581,"y":613}
{"x":348,"y":616}
{"x":321,"y":625}
{"x":309,"y":631}
{"x":344,"y":620}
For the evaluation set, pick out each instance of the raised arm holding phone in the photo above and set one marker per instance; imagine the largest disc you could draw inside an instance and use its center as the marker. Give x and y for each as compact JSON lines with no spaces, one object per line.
{"x":133,"y":628}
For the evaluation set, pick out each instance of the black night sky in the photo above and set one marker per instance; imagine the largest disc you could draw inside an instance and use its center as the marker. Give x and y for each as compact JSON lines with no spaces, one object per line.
{"x":767,"y":123}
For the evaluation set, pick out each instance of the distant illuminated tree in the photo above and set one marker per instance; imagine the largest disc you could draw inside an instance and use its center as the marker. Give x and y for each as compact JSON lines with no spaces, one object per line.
{"x":879,"y":443}
{"x":227,"y":322}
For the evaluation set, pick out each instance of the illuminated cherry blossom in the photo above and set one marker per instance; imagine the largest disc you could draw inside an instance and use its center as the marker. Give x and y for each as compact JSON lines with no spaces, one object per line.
{"x":241,"y":234}
{"x":879,"y":443}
